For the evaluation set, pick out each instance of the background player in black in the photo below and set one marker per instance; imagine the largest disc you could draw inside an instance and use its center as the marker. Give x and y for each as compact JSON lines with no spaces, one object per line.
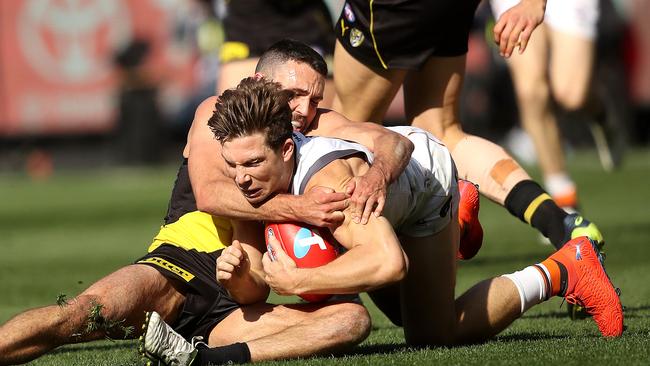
{"x":252,"y":26}
{"x":422,"y":45}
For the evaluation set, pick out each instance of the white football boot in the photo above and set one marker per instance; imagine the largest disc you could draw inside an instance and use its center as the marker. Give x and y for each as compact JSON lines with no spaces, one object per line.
{"x":162,"y":345}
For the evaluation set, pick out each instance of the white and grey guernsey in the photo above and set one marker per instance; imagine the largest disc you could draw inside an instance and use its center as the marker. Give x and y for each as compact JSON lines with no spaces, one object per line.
{"x":420,"y":202}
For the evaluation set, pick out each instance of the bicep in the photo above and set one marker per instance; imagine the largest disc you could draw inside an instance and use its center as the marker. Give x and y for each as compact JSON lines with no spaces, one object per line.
{"x":333,"y":124}
{"x":204,"y":152}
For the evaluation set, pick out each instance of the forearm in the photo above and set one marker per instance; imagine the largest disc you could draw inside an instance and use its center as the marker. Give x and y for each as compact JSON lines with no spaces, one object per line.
{"x":225,"y":200}
{"x":248,"y":290}
{"x":358,"y":270}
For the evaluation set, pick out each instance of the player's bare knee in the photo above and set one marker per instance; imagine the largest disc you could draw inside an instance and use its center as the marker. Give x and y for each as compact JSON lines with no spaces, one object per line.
{"x":569,"y":100}
{"x":353,"y":322}
{"x":72,"y":316}
{"x":534,"y":93}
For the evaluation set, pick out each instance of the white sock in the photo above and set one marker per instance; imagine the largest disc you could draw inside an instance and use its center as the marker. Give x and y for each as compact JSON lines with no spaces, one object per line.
{"x":559,"y":184}
{"x":531,"y":285}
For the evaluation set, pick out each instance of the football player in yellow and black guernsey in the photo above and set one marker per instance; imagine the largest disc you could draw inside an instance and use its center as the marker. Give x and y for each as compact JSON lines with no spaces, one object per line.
{"x":177,"y":278}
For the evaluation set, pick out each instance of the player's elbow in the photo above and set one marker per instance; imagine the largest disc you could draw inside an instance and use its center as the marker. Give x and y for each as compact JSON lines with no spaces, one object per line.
{"x":206,"y":202}
{"x":202,"y":203}
{"x":406,"y":146}
{"x":253,"y":297}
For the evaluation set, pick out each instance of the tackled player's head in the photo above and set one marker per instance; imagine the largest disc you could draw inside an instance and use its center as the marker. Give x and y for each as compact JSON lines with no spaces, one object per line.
{"x":299,"y":68}
{"x":253,"y":124}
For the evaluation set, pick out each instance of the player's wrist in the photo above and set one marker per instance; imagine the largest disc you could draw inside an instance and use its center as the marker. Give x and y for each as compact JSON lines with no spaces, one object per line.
{"x":383,"y":172}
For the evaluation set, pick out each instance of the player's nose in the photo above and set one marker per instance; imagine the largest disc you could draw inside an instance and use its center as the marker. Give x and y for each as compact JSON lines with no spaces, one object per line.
{"x":301,"y":106}
{"x":242,"y":178}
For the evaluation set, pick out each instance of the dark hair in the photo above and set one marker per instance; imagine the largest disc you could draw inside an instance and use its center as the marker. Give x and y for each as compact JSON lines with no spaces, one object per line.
{"x":255,"y":105}
{"x":290,"y":50}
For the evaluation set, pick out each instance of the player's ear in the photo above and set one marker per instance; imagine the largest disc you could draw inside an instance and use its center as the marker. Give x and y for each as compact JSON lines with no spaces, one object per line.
{"x":287,"y":150}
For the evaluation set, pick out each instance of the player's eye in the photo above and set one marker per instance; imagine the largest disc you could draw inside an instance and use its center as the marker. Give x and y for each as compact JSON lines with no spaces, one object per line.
{"x":253,"y":163}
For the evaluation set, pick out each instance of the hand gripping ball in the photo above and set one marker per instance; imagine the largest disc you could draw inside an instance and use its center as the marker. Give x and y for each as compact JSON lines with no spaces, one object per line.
{"x":307,"y":245}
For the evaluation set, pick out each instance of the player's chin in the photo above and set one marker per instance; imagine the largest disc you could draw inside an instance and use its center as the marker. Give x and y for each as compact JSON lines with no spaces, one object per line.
{"x":297,"y":126}
{"x":255,"y":196}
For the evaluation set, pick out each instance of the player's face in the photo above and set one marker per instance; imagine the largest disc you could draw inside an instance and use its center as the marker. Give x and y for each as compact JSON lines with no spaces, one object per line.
{"x":308,"y":86}
{"x":258,"y":170}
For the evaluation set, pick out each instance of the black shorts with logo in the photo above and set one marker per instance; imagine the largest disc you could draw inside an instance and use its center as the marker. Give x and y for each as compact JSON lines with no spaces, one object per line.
{"x":206,"y":302}
{"x":252,"y":26}
{"x":404,"y":34}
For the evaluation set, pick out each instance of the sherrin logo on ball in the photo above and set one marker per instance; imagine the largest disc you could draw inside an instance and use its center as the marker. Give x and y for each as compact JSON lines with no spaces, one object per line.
{"x":305,"y":245}
{"x":303,"y":241}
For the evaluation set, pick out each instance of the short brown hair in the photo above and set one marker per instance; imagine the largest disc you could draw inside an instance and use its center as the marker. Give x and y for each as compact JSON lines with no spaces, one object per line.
{"x":255,"y":105}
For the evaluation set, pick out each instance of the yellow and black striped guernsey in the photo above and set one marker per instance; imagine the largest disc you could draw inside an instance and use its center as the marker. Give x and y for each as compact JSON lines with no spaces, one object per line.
{"x":188,"y":228}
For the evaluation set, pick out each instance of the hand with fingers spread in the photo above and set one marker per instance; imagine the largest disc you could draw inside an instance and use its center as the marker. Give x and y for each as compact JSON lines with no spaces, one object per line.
{"x":368,"y":195}
{"x":281,"y":272}
{"x":517,"y":24}
{"x":321,"y":206}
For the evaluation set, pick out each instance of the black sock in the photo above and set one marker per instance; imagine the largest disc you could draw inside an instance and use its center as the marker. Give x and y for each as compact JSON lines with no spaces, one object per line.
{"x":531,"y":204}
{"x":233,"y":353}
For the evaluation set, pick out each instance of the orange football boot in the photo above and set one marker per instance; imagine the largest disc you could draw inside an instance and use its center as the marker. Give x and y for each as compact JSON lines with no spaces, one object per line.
{"x":471,"y":232}
{"x":589,"y":286}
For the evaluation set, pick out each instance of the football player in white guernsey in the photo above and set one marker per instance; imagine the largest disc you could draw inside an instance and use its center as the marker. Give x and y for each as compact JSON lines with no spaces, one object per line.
{"x":412,"y":249}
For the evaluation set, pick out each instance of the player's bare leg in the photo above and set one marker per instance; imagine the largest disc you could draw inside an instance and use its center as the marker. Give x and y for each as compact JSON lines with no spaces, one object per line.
{"x":289,"y":331}
{"x":431,"y":316}
{"x":123,"y":295}
{"x":261,"y":332}
{"x":530,"y":78}
{"x":362,"y":93}
{"x":571,"y":67}
{"x":427,"y":296}
{"x":432,"y":97}
{"x":432,"y":102}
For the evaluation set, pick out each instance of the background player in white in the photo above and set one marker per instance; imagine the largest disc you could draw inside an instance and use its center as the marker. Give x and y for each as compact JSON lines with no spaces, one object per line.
{"x":555,"y":69}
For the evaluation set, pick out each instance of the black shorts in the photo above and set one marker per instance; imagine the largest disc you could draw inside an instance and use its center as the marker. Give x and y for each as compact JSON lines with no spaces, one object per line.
{"x":252,"y":26}
{"x":206,"y":302}
{"x":403,"y":34}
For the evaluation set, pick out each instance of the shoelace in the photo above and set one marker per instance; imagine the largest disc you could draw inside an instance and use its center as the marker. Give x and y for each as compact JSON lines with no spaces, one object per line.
{"x":198,"y":340}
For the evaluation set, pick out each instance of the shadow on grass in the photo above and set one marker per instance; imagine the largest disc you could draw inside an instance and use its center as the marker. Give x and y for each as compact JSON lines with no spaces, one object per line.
{"x":637,"y":311}
{"x":530,"y":337}
{"x":95,"y":347}
{"x":504,"y":260}
{"x":393,"y":348}
{"x":558,"y":314}
{"x":374,"y":349}
{"x":630,"y":312}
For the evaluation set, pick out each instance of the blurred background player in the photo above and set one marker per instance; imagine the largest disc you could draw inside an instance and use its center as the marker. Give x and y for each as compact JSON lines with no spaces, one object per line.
{"x":252,"y":26}
{"x":422,"y":46}
{"x":556,"y":72}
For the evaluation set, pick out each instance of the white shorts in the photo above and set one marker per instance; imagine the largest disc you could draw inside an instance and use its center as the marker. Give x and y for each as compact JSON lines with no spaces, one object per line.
{"x":424,"y":199}
{"x":577,"y":17}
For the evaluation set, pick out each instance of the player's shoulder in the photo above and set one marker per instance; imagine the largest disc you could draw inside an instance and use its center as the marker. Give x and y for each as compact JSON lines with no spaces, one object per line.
{"x":200,"y":133}
{"x":207,"y":106}
{"x":325,"y":122}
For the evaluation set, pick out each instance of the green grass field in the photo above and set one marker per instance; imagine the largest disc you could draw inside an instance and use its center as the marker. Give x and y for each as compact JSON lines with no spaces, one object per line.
{"x":59,"y":236}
